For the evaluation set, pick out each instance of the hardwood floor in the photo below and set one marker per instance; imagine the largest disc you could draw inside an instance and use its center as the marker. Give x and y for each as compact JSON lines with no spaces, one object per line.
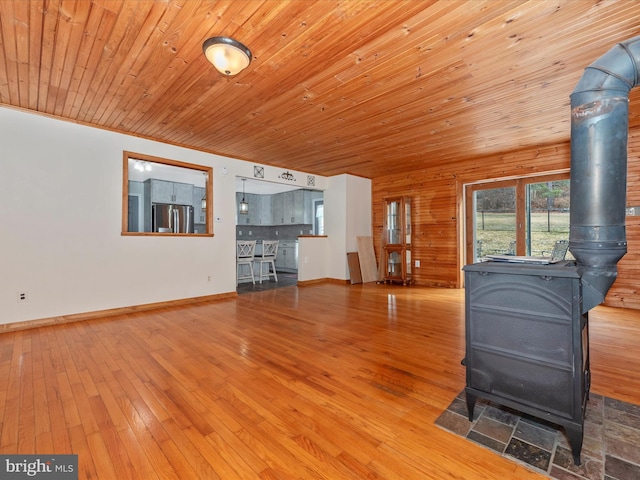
{"x":321,"y":382}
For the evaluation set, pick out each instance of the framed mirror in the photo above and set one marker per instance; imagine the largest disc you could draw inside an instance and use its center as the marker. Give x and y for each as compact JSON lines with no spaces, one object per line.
{"x":165,"y":197}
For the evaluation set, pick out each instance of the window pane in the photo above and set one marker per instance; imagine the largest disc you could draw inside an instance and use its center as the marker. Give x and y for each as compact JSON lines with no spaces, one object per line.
{"x":495,"y":222}
{"x":394,"y":264}
{"x":319,"y":218}
{"x":547,"y":216}
{"x":393,"y":223}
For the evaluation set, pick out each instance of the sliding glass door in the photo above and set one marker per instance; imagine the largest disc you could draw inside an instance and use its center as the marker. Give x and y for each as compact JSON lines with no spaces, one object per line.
{"x":524,"y":216}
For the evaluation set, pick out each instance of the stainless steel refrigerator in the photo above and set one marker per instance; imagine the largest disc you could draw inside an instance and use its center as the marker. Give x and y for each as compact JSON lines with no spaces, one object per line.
{"x":171,"y":218}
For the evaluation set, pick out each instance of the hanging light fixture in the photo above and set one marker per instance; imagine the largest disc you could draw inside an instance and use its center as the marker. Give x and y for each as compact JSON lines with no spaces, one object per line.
{"x":204,"y":196}
{"x":142,"y":166}
{"x":244,"y":206}
{"x":229,"y":56}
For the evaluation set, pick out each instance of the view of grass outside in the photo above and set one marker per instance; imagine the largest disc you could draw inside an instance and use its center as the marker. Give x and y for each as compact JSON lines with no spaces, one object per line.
{"x":547,"y":207}
{"x":495,"y":232}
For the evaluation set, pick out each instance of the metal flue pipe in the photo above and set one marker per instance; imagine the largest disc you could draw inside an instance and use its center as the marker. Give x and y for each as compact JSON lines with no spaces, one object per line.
{"x":599,"y":133}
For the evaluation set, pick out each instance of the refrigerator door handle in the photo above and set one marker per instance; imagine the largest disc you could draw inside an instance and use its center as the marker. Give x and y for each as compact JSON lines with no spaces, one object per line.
{"x":176,"y":223}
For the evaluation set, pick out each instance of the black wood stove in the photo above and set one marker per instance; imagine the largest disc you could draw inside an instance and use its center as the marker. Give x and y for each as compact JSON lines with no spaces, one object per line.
{"x":527,"y":327}
{"x":527,"y":342}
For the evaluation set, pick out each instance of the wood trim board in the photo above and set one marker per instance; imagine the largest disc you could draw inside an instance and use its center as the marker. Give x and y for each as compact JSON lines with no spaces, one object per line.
{"x":367,"y":258}
{"x":355,"y":275}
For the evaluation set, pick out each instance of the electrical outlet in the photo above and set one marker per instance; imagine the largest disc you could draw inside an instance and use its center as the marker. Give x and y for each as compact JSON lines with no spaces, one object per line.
{"x":209,"y":278}
{"x":22,"y":297}
{"x":417,"y":263}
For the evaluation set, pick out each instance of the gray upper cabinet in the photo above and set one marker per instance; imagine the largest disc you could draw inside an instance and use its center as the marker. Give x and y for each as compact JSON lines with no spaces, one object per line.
{"x":199,"y":215}
{"x":163,"y":191}
{"x":297,"y":208}
{"x":277,"y":209}
{"x":288,"y":208}
{"x":255,"y":210}
{"x":183,"y":193}
{"x":266,"y":215}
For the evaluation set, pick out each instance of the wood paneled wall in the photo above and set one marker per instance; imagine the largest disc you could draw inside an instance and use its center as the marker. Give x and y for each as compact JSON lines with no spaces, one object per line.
{"x":437,"y":211}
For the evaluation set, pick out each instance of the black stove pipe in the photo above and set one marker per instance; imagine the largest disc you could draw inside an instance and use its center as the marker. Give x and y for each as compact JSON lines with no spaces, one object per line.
{"x":599,"y":133}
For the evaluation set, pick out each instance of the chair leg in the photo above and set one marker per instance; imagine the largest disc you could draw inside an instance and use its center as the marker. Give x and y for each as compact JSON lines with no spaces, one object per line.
{"x":239,"y":270}
{"x":273,"y":264}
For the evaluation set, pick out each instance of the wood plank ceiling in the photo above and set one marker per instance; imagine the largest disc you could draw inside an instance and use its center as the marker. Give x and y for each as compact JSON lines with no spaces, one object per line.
{"x":346,"y":86}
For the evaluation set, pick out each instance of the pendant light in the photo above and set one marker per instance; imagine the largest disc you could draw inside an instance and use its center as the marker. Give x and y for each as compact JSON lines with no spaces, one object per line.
{"x":244,"y":206}
{"x":204,"y":196}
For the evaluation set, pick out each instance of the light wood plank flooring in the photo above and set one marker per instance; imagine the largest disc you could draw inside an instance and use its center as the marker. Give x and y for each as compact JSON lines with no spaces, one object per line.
{"x":320,"y":382}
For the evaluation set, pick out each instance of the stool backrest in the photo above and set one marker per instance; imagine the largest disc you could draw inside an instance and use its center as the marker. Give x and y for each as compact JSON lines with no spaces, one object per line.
{"x":245,"y":249}
{"x":270,"y":248}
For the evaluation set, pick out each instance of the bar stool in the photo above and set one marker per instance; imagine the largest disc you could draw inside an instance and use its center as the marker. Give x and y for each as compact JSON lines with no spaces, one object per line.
{"x":245,"y":255}
{"x":269,"y":253}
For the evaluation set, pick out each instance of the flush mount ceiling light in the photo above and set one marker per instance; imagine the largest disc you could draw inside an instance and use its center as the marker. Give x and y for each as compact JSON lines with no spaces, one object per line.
{"x":229,"y":56}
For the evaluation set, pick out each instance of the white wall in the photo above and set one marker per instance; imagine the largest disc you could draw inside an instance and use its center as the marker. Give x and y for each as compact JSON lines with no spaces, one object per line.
{"x":60,"y":214}
{"x":347,"y":210}
{"x":312,"y":258}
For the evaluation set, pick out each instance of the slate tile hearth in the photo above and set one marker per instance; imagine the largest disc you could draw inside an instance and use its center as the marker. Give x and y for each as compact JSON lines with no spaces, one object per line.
{"x":611,"y":448}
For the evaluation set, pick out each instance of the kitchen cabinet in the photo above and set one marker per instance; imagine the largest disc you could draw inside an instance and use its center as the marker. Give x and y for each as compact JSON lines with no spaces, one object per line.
{"x":199,"y":215}
{"x":254,"y":209}
{"x":266,"y":216}
{"x":277,"y":209}
{"x":287,"y":258}
{"x":163,"y":191}
{"x":297,"y":208}
{"x":396,"y":250}
{"x":282,"y":205}
{"x":288,"y":208}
